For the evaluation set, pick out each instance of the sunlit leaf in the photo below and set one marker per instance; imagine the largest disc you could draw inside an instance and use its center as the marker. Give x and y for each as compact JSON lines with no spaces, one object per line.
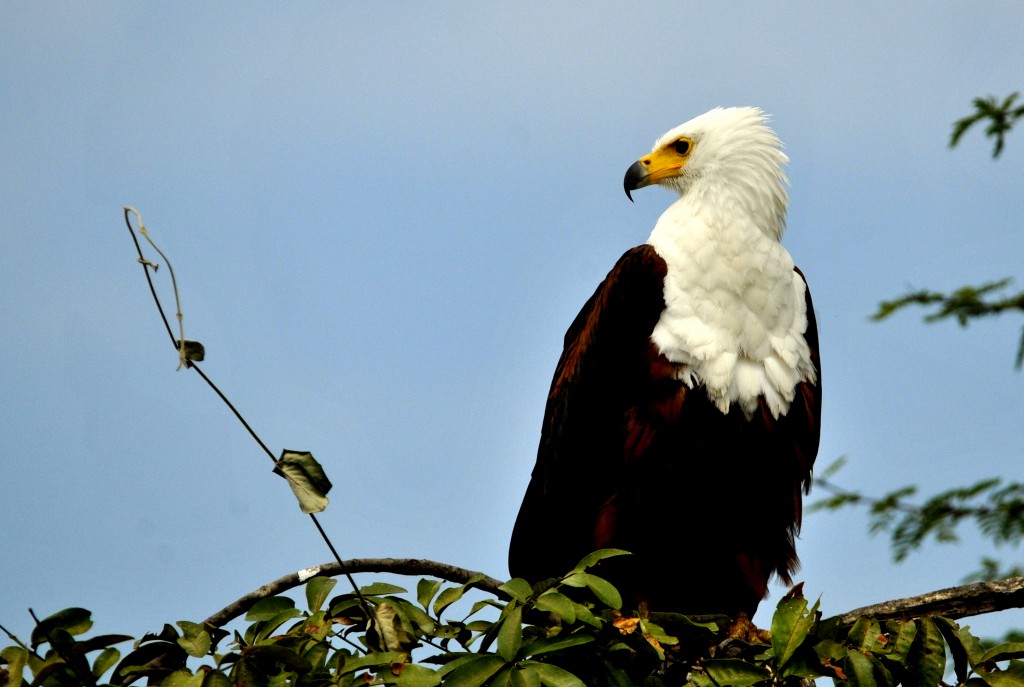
{"x":307,"y":479}
{"x":317,"y":591}
{"x":16,"y":658}
{"x":195,"y":640}
{"x":557,"y":603}
{"x":267,"y":608}
{"x":546,"y":645}
{"x":860,"y":670}
{"x":425,"y":591}
{"x":381,"y":588}
{"x":518,"y":588}
{"x":791,"y":624}
{"x":446,"y":598}
{"x":510,"y":636}
{"x":183,"y":678}
{"x":592,"y":559}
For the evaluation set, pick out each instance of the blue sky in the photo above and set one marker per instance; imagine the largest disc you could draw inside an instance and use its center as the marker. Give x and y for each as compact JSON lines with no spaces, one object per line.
{"x":383,"y":217}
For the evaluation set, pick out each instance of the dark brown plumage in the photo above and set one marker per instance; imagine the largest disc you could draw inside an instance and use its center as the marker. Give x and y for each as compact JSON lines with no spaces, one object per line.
{"x":708,"y":502}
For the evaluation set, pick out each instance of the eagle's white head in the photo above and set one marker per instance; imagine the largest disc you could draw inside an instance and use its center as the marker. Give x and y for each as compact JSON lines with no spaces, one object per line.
{"x":727,"y":158}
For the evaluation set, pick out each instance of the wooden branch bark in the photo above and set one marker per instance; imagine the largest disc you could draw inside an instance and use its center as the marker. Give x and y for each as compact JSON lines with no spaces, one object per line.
{"x":399,"y":566}
{"x":954,"y":602}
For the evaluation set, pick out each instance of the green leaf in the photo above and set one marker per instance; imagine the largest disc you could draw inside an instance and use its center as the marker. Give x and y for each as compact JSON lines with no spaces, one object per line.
{"x":971,"y":645}
{"x":74,"y":621}
{"x":317,"y":591}
{"x":216,"y":678}
{"x":265,"y":609}
{"x":446,"y":598}
{"x":268,"y":627}
{"x":510,"y":636}
{"x":307,"y":479}
{"x":546,"y":645}
{"x":558,"y":604}
{"x":413,"y":675}
{"x":950,"y":633}
{"x":16,"y":658}
{"x":183,"y":678}
{"x":195,"y":640}
{"x":279,"y":654}
{"x":1004,"y":652}
{"x":553,"y":676}
{"x":863,"y":635}
{"x":602,"y":588}
{"x":592,"y":559}
{"x":353,"y":664}
{"x":735,"y":673}
{"x":381,"y":588}
{"x":926,"y":661}
{"x":791,"y":624}
{"x":860,"y":670}
{"x":425,"y":590}
{"x":518,"y":588}
{"x":475,"y":672}
{"x":996,"y":679}
{"x":525,"y":677}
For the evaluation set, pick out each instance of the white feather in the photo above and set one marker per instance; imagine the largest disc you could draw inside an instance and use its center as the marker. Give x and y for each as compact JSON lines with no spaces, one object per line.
{"x":735,"y":313}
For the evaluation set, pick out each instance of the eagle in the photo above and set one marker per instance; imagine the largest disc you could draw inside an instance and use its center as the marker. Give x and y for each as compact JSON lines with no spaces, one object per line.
{"x":683,"y":419}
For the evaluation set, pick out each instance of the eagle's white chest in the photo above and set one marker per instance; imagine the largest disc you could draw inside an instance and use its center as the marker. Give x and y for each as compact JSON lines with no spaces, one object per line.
{"x":735,"y":311}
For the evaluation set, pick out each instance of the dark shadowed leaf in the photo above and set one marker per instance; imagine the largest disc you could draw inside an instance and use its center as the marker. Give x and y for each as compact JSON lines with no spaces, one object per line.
{"x":1004,"y":652}
{"x":74,"y":621}
{"x":216,"y":678}
{"x":736,"y":673}
{"x":926,"y":661}
{"x":307,"y":479}
{"x":950,"y":630}
{"x":860,"y":670}
{"x":193,"y":350}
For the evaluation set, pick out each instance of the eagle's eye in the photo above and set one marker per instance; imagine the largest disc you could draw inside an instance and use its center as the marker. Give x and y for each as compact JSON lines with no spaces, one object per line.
{"x":682,"y":146}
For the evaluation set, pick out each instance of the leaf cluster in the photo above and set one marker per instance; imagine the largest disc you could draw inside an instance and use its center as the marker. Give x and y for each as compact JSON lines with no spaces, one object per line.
{"x":964,"y":304}
{"x":1000,"y":115}
{"x":566,"y":632}
{"x":995,"y":507}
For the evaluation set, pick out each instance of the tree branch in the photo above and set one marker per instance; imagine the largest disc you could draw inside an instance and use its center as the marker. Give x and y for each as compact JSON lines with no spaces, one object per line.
{"x":399,"y":566}
{"x":954,"y":602}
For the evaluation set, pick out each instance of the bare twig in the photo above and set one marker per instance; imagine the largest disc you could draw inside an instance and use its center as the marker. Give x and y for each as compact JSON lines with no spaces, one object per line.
{"x":179,"y":344}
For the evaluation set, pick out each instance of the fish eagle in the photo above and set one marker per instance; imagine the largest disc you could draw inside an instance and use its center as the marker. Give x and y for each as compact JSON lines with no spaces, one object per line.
{"x":684,"y":415}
